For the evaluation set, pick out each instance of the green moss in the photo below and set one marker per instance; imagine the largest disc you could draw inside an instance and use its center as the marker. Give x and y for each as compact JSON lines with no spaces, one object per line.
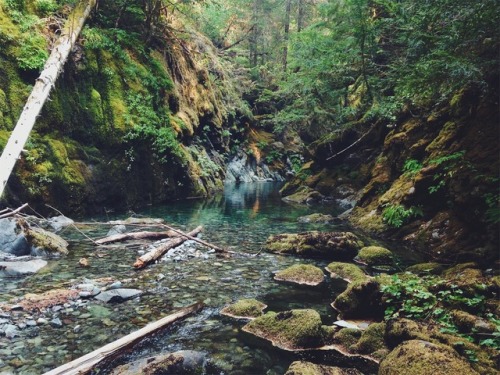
{"x":374,"y":255}
{"x":301,"y":274}
{"x":347,"y":271}
{"x":399,"y":330}
{"x":289,"y":329}
{"x":417,"y":357}
{"x":244,"y":308}
{"x":42,"y":239}
{"x":74,"y":173}
{"x":426,"y":268}
{"x":372,"y":339}
{"x":58,"y":150}
{"x":347,"y":337}
{"x":308,"y":368}
{"x":360,"y":299}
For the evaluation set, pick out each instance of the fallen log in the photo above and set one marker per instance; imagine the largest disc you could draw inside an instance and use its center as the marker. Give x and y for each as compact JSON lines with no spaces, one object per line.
{"x":144,"y":235}
{"x":85,"y":364}
{"x":158,"y":252}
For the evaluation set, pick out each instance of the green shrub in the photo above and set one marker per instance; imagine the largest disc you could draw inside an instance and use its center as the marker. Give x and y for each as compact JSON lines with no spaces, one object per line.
{"x":46,"y":7}
{"x":412,"y":167}
{"x":397,"y":215}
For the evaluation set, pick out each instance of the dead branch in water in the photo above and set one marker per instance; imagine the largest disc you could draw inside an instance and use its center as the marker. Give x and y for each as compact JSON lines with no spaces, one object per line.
{"x":13,"y":212}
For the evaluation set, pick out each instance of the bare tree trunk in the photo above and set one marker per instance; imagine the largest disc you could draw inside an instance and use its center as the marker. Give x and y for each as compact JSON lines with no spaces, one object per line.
{"x":300,"y":16}
{"x":41,"y":90}
{"x":136,"y":236}
{"x":85,"y":364}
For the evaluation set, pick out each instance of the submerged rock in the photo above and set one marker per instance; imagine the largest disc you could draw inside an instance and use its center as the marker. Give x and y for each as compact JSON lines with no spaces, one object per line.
{"x":308,"y":368}
{"x":374,"y":256}
{"x":303,"y":274}
{"x":418,"y":357}
{"x":316,"y":218}
{"x":118,"y":295}
{"x":184,"y":362}
{"x":294,"y":329}
{"x":326,"y":245}
{"x":244,"y":309}
{"x":14,"y":269}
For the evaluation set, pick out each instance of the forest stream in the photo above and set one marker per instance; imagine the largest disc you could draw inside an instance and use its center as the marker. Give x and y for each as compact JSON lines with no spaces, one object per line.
{"x":240,"y":219}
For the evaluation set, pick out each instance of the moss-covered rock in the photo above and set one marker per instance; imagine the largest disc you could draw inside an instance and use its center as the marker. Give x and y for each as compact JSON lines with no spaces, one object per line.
{"x":399,"y":330}
{"x":347,"y":337}
{"x":308,"y":368}
{"x":316,"y":218}
{"x":304,"y":195}
{"x":346,"y":271}
{"x":467,"y":276}
{"x":303,"y":274}
{"x":418,"y":357}
{"x":325,"y":245}
{"x":294,"y":329}
{"x":360,"y":299}
{"x":467,"y":323}
{"x":426,"y":268}
{"x":244,"y":309}
{"x":374,"y":256}
{"x":372,"y":339}
{"x":43,"y":241}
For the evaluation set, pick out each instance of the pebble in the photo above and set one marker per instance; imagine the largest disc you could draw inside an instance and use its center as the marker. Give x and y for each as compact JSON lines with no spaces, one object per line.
{"x":77,"y":328}
{"x":11,"y":331}
{"x":42,"y":321}
{"x":56,"y":323}
{"x":30,"y":323}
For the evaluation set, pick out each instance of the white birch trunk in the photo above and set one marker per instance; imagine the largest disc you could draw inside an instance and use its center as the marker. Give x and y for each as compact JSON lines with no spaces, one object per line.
{"x":41,"y":90}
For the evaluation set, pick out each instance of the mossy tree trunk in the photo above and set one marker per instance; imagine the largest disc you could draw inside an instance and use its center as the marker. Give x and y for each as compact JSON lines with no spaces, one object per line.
{"x":42,"y":88}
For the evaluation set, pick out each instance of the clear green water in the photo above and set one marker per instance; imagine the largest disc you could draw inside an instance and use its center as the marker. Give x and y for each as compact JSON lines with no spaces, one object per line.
{"x":241,"y":219}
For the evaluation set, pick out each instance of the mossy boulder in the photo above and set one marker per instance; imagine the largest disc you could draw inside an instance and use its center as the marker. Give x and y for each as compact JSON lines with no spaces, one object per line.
{"x":325,"y":245}
{"x":399,"y":330}
{"x":419,"y":357}
{"x":347,"y":337}
{"x":426,"y":268}
{"x":303,"y":274}
{"x":304,"y":195}
{"x":374,"y":256}
{"x":308,"y":368}
{"x":346,"y":271}
{"x":360,"y":300}
{"x":42,"y":241}
{"x":316,"y":218}
{"x":372,"y":340}
{"x":244,"y":309}
{"x":467,"y":323}
{"x":468,"y":277}
{"x":293,"y":329}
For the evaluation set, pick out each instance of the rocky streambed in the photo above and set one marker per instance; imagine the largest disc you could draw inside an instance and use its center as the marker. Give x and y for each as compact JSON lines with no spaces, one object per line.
{"x":280,"y":322}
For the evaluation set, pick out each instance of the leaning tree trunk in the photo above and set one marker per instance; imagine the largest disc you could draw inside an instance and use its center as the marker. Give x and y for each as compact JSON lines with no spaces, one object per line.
{"x":41,"y":90}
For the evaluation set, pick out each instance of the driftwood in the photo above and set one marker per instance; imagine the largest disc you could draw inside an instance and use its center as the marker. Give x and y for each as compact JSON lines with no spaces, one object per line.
{"x":13,"y":212}
{"x":136,"y":236}
{"x":85,"y":364}
{"x":42,"y":88}
{"x":158,"y":252}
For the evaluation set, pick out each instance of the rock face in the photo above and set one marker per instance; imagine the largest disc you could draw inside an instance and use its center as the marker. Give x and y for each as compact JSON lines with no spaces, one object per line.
{"x":294,"y":329}
{"x":418,"y":357}
{"x":325,"y":245}
{"x":243,"y":168}
{"x":308,"y":368}
{"x":316,"y":218}
{"x":303,"y":274}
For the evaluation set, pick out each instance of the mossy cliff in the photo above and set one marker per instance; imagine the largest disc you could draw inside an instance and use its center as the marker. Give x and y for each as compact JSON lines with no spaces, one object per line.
{"x":132,"y":120}
{"x":430,"y":178}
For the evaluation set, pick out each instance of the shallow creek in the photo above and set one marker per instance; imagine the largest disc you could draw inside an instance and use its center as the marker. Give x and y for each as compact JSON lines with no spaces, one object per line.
{"x":241,"y":219}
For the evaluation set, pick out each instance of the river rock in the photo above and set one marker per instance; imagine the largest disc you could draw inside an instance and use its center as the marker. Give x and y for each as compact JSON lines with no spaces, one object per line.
{"x":325,"y":245}
{"x":244,"y":309}
{"x":184,"y":362}
{"x":117,"y":229}
{"x":316,"y":218}
{"x":419,"y":357}
{"x":346,"y":271}
{"x":59,"y":222}
{"x":118,"y":295}
{"x":361,"y":299}
{"x":12,"y":239}
{"x":13,"y":269}
{"x":309,"y":368}
{"x":302,"y":274}
{"x":374,"y":256}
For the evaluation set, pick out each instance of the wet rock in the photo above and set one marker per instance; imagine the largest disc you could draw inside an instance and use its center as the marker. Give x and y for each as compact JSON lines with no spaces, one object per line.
{"x":117,"y":229}
{"x":419,"y":357}
{"x":15,"y":269}
{"x":426,"y":268}
{"x":43,"y":242}
{"x":316,"y":218}
{"x":374,"y":255}
{"x":372,"y":340}
{"x":56,"y":323}
{"x":184,"y":362}
{"x":12,"y":239}
{"x":11,"y":331}
{"x":347,"y":337}
{"x":292,"y":329}
{"x":360,"y":299}
{"x":59,"y":222}
{"x":346,"y":271}
{"x":302,"y":274}
{"x":326,"y":245}
{"x":118,"y":295}
{"x":244,"y":309}
{"x":308,"y":368}
{"x":243,"y":168}
{"x":305,"y":195}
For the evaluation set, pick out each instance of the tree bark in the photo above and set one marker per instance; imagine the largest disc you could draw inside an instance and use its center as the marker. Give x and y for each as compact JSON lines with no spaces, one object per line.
{"x":158,"y":252}
{"x":41,"y":90}
{"x":136,"y":236}
{"x":84,"y":365}
{"x":287,"y":33}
